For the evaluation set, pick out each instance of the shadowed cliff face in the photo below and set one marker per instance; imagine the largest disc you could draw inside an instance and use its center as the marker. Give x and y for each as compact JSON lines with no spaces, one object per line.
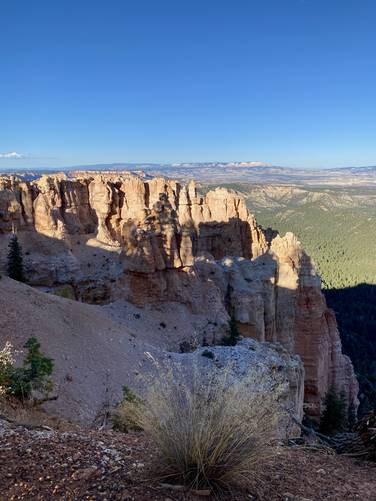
{"x":116,"y":237}
{"x":358,"y":333}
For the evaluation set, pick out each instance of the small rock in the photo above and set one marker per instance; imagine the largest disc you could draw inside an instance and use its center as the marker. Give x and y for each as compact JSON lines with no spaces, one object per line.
{"x":84,"y":473}
{"x":202,"y":492}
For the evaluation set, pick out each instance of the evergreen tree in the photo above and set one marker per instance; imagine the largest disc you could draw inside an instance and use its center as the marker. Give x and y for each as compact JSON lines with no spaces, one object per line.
{"x":233,"y":336}
{"x":33,"y":375}
{"x":15,"y":260}
{"x":40,"y":366}
{"x":334,"y":417}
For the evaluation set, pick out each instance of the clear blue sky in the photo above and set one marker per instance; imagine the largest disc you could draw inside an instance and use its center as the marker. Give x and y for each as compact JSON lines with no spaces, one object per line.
{"x":291,"y":82}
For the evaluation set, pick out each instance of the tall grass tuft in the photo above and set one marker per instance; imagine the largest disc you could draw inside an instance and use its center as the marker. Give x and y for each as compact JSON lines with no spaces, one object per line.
{"x":211,"y":432}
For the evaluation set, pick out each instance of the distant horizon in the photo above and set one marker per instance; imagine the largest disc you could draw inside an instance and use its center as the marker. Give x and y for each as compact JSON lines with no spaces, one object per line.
{"x":139,"y":165}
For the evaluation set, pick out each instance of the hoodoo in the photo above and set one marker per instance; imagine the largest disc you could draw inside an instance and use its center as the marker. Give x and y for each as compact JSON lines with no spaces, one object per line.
{"x":120,"y":236}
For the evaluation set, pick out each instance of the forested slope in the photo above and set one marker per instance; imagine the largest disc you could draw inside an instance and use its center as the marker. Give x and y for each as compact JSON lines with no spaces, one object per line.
{"x":337,"y":227}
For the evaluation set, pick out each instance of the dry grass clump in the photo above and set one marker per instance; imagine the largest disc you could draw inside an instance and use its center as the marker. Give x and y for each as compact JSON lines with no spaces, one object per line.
{"x":211,"y":432}
{"x":18,"y":413}
{"x":66,"y":292}
{"x":123,"y":417}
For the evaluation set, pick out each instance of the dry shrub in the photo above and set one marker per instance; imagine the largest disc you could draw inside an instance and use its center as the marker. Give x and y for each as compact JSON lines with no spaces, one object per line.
{"x":28,"y":416}
{"x":67,"y":292}
{"x":122,"y":417}
{"x":212,"y":432}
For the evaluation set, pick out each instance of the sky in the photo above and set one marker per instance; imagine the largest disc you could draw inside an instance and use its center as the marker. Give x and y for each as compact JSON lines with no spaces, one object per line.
{"x":288,"y":82}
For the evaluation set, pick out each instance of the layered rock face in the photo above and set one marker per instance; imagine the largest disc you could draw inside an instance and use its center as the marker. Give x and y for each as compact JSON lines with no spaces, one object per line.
{"x":96,"y":354}
{"x":149,"y":241}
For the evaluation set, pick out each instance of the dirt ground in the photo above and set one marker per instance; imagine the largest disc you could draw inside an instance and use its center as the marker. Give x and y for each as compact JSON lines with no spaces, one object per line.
{"x":80,"y":464}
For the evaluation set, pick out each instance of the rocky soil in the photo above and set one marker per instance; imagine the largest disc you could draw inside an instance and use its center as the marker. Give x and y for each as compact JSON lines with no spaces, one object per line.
{"x":74,"y":463}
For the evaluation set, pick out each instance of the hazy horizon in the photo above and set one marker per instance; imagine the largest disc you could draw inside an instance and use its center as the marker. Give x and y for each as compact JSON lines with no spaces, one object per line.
{"x":140,"y":165}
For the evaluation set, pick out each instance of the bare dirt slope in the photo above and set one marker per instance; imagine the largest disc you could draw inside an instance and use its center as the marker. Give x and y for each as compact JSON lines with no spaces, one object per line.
{"x":95,"y":356}
{"x":97,"y":350}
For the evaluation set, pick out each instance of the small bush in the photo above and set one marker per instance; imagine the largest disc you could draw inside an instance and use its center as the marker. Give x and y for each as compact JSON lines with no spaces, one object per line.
{"x":67,"y":292}
{"x":211,"y":434}
{"x":188,"y":346}
{"x":123,"y":419}
{"x":6,"y":368}
{"x":21,"y":382}
{"x":208,"y":354}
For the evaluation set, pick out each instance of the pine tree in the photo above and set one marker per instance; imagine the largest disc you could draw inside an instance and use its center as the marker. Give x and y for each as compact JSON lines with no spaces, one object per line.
{"x":233,"y":336}
{"x":334,"y":417}
{"x":15,"y":260}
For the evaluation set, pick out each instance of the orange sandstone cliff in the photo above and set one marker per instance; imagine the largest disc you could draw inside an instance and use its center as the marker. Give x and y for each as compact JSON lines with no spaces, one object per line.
{"x":148,"y":241}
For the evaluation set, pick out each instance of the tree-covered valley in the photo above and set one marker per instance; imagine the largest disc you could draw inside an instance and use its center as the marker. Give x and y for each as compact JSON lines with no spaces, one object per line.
{"x":337,"y":227}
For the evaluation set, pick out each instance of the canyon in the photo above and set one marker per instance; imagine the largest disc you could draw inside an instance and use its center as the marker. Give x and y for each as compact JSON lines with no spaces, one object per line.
{"x":118,"y":240}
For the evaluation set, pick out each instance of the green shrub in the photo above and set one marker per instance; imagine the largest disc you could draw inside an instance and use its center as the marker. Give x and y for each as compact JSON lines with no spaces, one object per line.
{"x":122,"y":418}
{"x":208,"y":354}
{"x":32,"y":376}
{"x":66,"y":292}
{"x":129,"y":395}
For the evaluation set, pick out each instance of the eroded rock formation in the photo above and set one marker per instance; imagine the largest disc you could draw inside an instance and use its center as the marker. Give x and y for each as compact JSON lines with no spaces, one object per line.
{"x":120,"y":236}
{"x":96,"y":354}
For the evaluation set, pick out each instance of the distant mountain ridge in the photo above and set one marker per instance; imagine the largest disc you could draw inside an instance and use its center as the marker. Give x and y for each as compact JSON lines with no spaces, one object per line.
{"x":221,"y":172}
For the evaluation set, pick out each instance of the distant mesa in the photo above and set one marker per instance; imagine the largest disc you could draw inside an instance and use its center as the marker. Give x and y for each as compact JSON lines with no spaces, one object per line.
{"x":225,"y":172}
{"x":249,"y":164}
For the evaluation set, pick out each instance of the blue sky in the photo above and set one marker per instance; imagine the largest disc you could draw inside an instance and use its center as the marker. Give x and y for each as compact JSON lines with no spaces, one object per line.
{"x":290,"y":82}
